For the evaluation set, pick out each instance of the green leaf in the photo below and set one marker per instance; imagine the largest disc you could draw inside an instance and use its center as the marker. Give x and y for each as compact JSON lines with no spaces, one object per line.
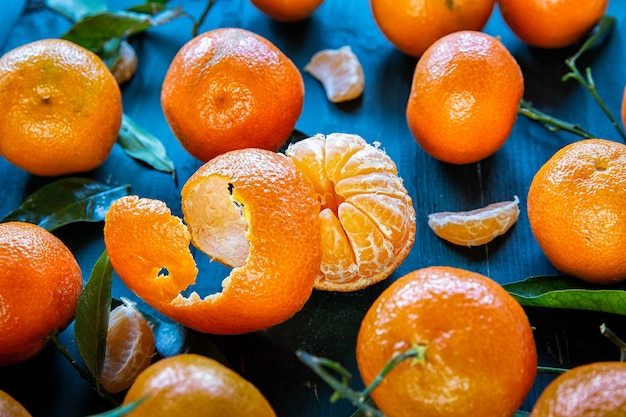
{"x":77,"y":9}
{"x":150,"y":7}
{"x":520,"y":413}
{"x":92,"y":316}
{"x":65,"y":201}
{"x":121,"y":410}
{"x":560,"y":291}
{"x":141,"y":145}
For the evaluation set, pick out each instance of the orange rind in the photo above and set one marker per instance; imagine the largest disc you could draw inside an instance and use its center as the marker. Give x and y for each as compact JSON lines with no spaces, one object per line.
{"x":250,"y":209}
{"x":366,"y":214}
{"x":475,"y":227}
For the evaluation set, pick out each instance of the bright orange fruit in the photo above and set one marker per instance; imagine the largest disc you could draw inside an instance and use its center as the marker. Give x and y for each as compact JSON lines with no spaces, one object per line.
{"x":554,"y":23}
{"x":412,"y":26}
{"x":10,"y":407}
{"x":597,"y":389}
{"x":190,"y":385}
{"x":230,"y":89}
{"x":480,"y":357}
{"x":475,"y":227}
{"x":577,"y":210}
{"x":250,"y":209}
{"x":287,"y":10}
{"x":61,"y":107}
{"x":460,"y":83}
{"x":367,"y":216}
{"x":129,"y":348}
{"x":40,"y":282}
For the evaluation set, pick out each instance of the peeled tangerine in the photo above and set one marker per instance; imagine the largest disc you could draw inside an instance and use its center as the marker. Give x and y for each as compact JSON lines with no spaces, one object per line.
{"x":250,"y":209}
{"x":475,"y":227}
{"x":366,"y":214}
{"x":339,"y":71}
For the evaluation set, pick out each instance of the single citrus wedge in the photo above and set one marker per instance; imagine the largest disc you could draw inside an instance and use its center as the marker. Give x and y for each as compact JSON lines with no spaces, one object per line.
{"x":250,"y":209}
{"x":10,"y":407}
{"x":475,"y":227}
{"x":129,"y":349}
{"x":339,"y":71}
{"x":366,"y":214}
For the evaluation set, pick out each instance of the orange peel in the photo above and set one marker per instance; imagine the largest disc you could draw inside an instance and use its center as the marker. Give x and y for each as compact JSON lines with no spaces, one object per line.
{"x":252,"y":210}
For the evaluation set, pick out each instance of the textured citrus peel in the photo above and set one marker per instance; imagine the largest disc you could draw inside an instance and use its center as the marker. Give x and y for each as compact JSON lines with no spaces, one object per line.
{"x":254,"y":212}
{"x":340,"y":73}
{"x":475,"y":227}
{"x":367,"y":217}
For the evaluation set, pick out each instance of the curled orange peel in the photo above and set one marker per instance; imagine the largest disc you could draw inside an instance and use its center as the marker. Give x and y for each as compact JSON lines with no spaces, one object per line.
{"x":249,"y":209}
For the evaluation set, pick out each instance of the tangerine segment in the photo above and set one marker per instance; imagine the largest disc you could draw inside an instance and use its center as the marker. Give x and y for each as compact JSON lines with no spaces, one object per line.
{"x":273,"y":209}
{"x":130,"y":347}
{"x":367,"y":216}
{"x":475,"y":227}
{"x":340,"y":73}
{"x":480,"y":356}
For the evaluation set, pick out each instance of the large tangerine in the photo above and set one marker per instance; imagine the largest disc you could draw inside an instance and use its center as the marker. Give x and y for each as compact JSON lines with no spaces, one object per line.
{"x":250,"y":209}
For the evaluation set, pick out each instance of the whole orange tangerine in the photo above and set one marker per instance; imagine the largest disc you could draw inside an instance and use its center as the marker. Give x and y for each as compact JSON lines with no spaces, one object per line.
{"x":230,"y":89}
{"x":287,"y":10}
{"x":480,"y":357}
{"x":464,"y":97}
{"x":40,"y":282}
{"x":577,"y":210}
{"x":412,"y":26}
{"x":61,"y":107}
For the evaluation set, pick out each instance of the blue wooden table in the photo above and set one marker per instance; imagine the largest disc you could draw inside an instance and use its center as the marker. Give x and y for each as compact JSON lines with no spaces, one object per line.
{"x":327,"y":326}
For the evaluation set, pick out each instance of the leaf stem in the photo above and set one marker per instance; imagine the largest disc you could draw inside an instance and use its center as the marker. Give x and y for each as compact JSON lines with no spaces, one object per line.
{"x":550,"y":122}
{"x":359,"y":399}
{"x":617,"y":341}
{"x":197,"y":23}
{"x":551,"y":369}
{"x":82,"y":372}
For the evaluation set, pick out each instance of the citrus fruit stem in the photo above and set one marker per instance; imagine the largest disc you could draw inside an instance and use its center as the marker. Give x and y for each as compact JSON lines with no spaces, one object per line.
{"x":550,"y":122}
{"x":197,"y":23}
{"x":551,"y":369}
{"x":359,"y":399}
{"x":602,"y":29}
{"x":617,"y":341}
{"x":54,"y":339}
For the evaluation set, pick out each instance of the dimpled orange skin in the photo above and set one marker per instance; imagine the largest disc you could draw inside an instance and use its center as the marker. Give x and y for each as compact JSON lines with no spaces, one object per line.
{"x":413,"y":26}
{"x":10,"y":407}
{"x":577,"y":210}
{"x":480,"y":355}
{"x":554,"y":23}
{"x":229,"y":89}
{"x":61,"y":106}
{"x":271,"y":279}
{"x":191,"y":385}
{"x":40,"y":282}
{"x":287,"y":10}
{"x":592,"y":390}
{"x":464,"y":97}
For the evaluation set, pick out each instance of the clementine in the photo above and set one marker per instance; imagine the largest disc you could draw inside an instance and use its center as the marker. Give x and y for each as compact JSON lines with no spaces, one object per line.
{"x":464,"y":97}
{"x":287,"y":10}
{"x":413,"y":26}
{"x":480,"y":357}
{"x":554,"y":23}
{"x":130,"y":347}
{"x":229,"y":89}
{"x":61,"y":106}
{"x":366,"y":214}
{"x":475,"y":227}
{"x":10,"y":407}
{"x":250,"y":209}
{"x":190,"y":385}
{"x":40,"y":282}
{"x":597,"y":389}
{"x":577,"y":210}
